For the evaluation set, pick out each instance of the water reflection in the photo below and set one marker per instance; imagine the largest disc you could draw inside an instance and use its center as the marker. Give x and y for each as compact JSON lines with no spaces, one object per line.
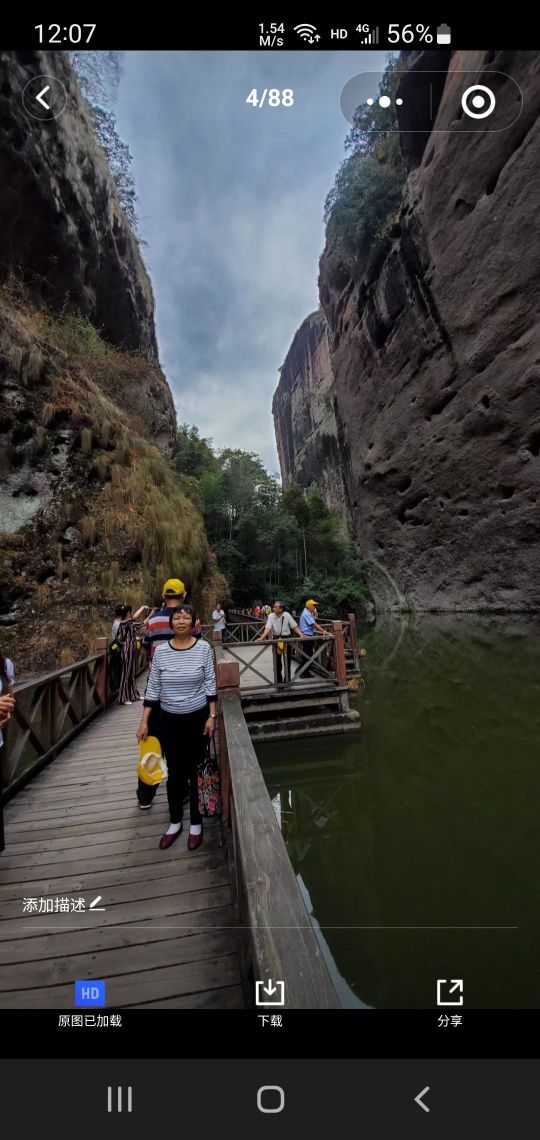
{"x":418,"y":840}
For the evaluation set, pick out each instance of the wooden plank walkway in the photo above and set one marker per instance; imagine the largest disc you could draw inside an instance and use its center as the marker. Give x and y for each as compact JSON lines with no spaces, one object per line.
{"x":167,"y":937}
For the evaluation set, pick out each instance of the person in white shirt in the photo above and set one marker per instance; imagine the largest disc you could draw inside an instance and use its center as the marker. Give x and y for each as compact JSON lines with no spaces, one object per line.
{"x":219,"y":620}
{"x":281,"y":625}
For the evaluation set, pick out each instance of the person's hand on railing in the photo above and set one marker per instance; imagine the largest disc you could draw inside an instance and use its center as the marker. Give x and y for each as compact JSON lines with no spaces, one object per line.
{"x":7,"y":705}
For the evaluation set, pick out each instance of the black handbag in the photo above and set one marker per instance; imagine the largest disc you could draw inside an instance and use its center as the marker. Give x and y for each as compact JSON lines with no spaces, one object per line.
{"x":209,"y":781}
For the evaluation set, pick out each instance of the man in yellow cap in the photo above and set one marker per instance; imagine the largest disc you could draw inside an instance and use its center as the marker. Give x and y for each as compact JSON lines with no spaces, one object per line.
{"x":157,"y":627}
{"x":309,"y":626}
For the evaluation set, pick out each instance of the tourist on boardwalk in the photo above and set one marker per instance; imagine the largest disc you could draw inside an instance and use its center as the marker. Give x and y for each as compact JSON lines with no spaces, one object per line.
{"x":183,"y":682}
{"x":309,"y":626}
{"x":281,"y":625}
{"x":118,"y":615}
{"x":157,"y":627}
{"x":127,"y":636}
{"x":115,"y":654}
{"x":219,"y":620}
{"x":7,"y":700}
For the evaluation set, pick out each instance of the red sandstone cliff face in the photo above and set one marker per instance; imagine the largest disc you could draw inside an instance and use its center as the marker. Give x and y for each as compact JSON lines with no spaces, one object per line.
{"x":304,"y":416}
{"x":435,"y":351}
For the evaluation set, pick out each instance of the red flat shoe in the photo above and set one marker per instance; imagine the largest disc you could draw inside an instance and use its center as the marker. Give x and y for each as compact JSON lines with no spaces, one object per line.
{"x":168,"y":840}
{"x":194,"y":841}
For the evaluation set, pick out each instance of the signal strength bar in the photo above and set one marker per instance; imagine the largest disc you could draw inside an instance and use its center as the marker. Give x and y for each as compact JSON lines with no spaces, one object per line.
{"x":372,"y":37}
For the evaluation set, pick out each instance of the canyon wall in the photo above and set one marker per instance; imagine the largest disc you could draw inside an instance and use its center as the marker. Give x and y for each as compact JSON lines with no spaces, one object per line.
{"x":435,"y":357}
{"x":304,"y":416}
{"x":91,"y":514}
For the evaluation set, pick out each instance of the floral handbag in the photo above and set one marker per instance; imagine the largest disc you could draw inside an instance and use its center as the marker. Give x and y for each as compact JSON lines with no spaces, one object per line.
{"x":209,"y":781}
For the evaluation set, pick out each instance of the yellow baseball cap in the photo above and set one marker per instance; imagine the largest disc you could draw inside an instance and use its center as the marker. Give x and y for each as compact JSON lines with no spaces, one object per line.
{"x":310,"y":602}
{"x":173,"y":588}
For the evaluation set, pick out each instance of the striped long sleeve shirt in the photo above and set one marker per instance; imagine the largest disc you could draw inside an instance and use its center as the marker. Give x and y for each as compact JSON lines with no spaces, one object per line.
{"x":181,"y":680}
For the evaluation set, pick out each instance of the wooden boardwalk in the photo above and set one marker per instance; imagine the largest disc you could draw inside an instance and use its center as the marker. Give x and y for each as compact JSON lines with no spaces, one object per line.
{"x":167,"y":936}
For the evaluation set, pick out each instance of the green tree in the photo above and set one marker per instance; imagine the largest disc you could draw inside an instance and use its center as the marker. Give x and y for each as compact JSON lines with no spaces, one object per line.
{"x":193,"y":453}
{"x":369,"y":183}
{"x":269,"y":542}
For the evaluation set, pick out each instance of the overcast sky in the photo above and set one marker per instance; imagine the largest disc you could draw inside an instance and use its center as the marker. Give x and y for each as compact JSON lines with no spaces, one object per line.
{"x":231,"y":200}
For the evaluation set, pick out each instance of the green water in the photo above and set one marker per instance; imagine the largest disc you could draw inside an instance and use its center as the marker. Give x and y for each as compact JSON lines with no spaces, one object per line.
{"x":417,"y":840}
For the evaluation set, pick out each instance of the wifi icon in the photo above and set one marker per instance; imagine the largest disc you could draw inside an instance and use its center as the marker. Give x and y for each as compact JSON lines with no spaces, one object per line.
{"x":306,"y":31}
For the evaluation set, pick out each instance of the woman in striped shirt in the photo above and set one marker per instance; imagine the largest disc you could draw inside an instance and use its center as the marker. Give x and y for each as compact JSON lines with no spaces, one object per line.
{"x":182,"y":683}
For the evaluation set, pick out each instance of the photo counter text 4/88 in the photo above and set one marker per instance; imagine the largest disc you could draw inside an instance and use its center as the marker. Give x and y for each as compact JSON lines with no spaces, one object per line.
{"x":271,"y":97}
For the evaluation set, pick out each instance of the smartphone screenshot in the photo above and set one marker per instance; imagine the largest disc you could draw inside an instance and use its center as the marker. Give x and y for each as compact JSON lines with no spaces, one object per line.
{"x":270,"y":575}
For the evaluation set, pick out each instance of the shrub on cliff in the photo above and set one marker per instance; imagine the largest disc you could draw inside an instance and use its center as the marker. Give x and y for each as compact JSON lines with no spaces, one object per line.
{"x":368,"y":186}
{"x":365,"y":195}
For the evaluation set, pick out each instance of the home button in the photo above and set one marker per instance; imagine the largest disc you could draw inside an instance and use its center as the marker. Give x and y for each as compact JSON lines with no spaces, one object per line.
{"x":270,"y":1098}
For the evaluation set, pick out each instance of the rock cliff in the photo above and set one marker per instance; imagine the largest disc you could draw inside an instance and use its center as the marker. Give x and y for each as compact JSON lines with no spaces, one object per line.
{"x":61,"y":225}
{"x":435,"y":354}
{"x":90,"y":511}
{"x":304,"y":415}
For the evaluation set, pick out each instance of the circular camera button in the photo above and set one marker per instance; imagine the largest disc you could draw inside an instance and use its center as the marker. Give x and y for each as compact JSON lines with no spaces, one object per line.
{"x":44,"y":98}
{"x":474,"y":101}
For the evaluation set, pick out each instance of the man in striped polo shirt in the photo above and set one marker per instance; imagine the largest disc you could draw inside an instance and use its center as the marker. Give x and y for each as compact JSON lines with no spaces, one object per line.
{"x":157,"y":627}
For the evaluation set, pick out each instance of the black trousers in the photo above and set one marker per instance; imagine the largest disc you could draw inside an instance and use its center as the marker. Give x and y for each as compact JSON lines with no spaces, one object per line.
{"x":281,"y":658}
{"x":308,"y":647}
{"x":115,"y":669}
{"x":184,"y":744}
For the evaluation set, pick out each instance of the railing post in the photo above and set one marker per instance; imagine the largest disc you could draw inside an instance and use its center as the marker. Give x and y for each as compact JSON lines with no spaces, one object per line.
{"x":354,"y":641}
{"x":101,"y":672}
{"x":339,"y":653}
{"x":228,"y":684}
{"x":273,"y":643}
{"x":217,"y":636}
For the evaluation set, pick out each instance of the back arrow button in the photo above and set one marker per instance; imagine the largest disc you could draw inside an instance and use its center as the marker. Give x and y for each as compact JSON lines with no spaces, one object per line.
{"x":44,"y":98}
{"x":41,"y":100}
{"x":419,"y":1100}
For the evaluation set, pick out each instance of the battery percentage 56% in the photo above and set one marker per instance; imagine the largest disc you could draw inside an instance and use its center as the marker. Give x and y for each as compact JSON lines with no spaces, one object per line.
{"x":271,"y":97}
{"x":407,"y":34}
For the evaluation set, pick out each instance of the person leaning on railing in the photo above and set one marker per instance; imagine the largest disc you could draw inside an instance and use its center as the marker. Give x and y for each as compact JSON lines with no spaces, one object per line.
{"x":309,"y":626}
{"x":7,"y":700}
{"x":281,"y":625}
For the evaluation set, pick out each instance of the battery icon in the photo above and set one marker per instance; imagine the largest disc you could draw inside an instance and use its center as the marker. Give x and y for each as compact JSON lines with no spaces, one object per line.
{"x":444,"y":35}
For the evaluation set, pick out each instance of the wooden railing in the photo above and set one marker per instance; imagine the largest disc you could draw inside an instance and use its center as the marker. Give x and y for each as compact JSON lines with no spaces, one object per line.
{"x":246,"y":631}
{"x":238,"y":632}
{"x":323,"y":657}
{"x":277,"y":939}
{"x":51,"y":710}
